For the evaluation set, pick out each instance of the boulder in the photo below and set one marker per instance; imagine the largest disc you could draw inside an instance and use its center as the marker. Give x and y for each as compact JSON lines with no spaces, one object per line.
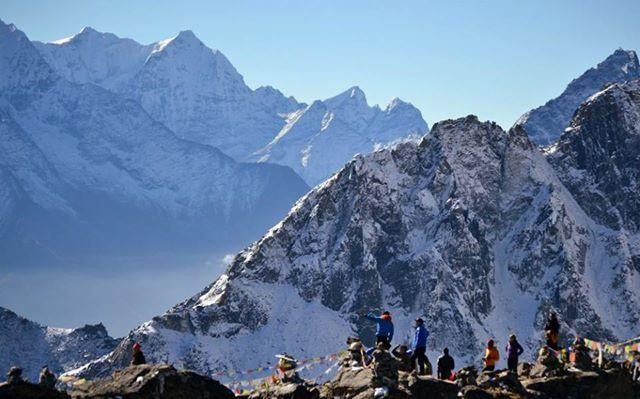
{"x":474,"y":392}
{"x":349,"y":382}
{"x":610,"y":384}
{"x":427,"y":387}
{"x":360,"y":383}
{"x":524,"y":369}
{"x":27,"y":390}
{"x":287,"y":391}
{"x":547,"y":365}
{"x":152,"y":382}
{"x":467,"y":376}
{"x":501,"y":380}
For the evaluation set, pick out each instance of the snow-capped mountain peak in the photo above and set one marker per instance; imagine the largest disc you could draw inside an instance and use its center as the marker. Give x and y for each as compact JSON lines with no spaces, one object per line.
{"x":21,"y":65}
{"x":625,"y":61}
{"x":307,"y":141}
{"x":353,"y":96}
{"x":185,"y":40}
{"x":545,"y":124}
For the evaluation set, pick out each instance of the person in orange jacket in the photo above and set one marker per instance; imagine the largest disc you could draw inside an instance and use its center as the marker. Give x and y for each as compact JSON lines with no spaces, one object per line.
{"x":491,"y":356}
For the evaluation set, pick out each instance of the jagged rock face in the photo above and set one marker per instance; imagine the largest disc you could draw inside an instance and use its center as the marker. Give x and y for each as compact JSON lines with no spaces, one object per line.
{"x":597,"y":157}
{"x":31,"y":346}
{"x":307,"y":143}
{"x":88,"y":173}
{"x":545,"y":124}
{"x":470,"y":228}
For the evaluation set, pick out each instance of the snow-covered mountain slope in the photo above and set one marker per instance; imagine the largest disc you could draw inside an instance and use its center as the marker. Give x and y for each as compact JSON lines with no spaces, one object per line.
{"x":88,"y":172}
{"x":31,"y":346}
{"x":193,"y":90}
{"x":197,"y":93}
{"x":319,"y":139}
{"x":470,"y":228}
{"x":546,"y":123}
{"x":598,"y":157}
{"x":95,"y":57}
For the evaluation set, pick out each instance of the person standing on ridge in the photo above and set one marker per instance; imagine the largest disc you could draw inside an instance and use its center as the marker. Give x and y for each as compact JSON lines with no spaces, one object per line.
{"x":47,"y":378}
{"x":14,"y":376}
{"x":445,"y":365}
{"x":514,"y":350}
{"x":552,"y":331}
{"x":384,"y":328}
{"x":419,"y":346}
{"x":491,"y":356}
{"x":138,"y":356}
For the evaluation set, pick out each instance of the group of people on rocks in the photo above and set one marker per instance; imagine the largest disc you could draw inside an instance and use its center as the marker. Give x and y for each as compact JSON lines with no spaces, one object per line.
{"x":46,"y":377}
{"x":413,"y":358}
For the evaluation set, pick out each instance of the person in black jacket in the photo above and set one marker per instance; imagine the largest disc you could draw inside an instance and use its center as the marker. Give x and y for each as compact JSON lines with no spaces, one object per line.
{"x":445,"y":365}
{"x":47,"y":378}
{"x":552,"y":331}
{"x":138,"y":356}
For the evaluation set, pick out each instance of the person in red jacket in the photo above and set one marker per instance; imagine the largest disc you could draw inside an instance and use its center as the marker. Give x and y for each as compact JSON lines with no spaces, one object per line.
{"x":138,"y":356}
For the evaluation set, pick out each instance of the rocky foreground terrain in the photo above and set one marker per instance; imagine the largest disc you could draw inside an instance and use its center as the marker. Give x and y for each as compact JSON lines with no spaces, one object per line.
{"x":547,"y":378}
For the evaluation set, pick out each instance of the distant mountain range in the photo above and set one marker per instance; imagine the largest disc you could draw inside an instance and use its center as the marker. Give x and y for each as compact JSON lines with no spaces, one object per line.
{"x":197,"y":93}
{"x":31,"y":346}
{"x":87,"y":172}
{"x":113,"y":147}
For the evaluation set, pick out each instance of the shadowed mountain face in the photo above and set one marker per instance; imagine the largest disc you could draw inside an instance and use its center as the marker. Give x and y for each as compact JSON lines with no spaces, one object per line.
{"x":545,"y":124}
{"x":471,"y":227}
{"x":87,"y":173}
{"x":598,"y":156}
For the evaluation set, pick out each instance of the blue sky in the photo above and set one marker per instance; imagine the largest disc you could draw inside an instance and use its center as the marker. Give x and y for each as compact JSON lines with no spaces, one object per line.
{"x":496,"y":59}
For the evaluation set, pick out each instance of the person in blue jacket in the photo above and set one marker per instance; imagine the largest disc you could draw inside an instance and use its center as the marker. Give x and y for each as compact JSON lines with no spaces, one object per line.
{"x":419,"y":346}
{"x":384,"y":328}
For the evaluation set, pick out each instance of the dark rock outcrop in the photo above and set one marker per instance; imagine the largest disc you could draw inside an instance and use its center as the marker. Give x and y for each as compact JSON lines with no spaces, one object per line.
{"x":152,"y":382}
{"x":615,"y":384}
{"x":287,"y":391}
{"x":425,"y":387}
{"x":27,"y":390}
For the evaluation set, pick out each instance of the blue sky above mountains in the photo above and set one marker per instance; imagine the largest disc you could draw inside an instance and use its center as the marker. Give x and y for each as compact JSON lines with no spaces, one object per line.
{"x":496,"y":59}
